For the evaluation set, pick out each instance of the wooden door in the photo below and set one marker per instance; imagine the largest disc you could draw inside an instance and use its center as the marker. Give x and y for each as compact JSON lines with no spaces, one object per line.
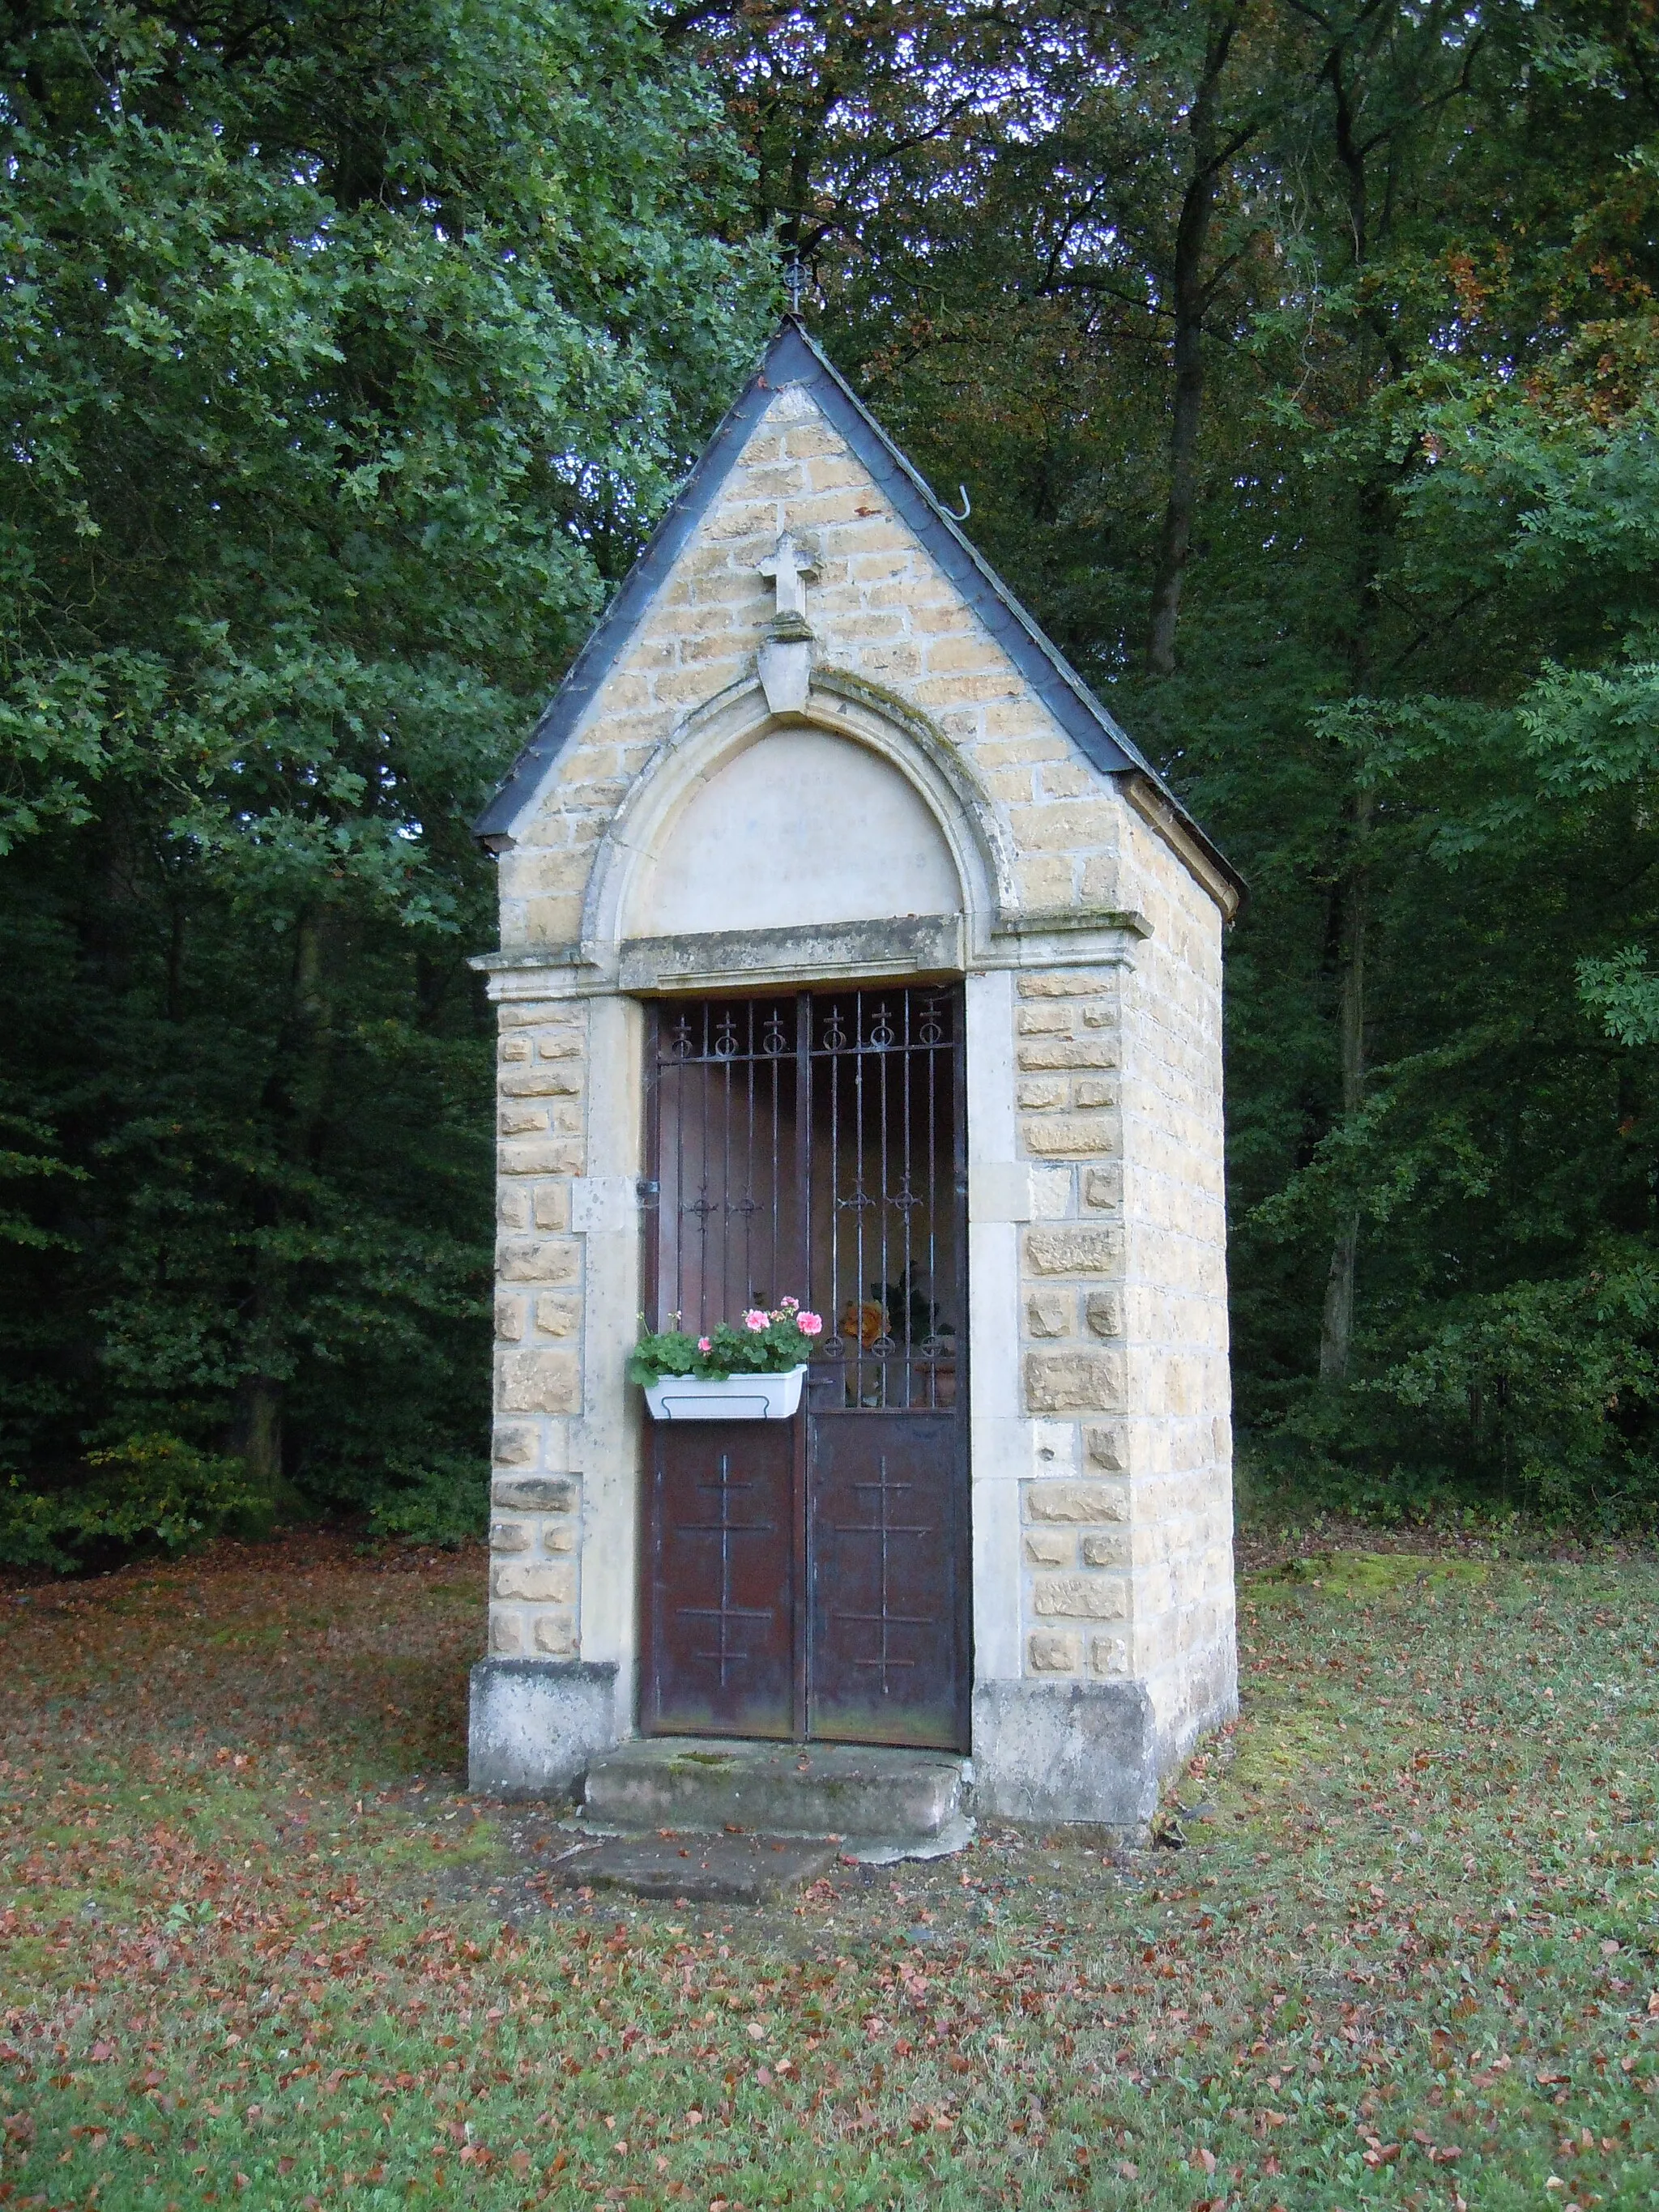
{"x":809,"y":1579}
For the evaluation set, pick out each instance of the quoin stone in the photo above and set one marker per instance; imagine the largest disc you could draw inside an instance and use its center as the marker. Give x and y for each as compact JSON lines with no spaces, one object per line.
{"x":816,"y":775}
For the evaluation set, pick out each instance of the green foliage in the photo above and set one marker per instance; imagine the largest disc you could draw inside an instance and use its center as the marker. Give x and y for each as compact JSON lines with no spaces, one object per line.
{"x":439,"y":1499}
{"x":148,"y":1493}
{"x":766,"y":1344}
{"x":1414,"y":695}
{"x":346,"y":357}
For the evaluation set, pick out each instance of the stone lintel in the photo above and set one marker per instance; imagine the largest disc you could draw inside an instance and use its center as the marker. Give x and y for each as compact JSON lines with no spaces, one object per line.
{"x":911,"y":948}
{"x":911,"y":945}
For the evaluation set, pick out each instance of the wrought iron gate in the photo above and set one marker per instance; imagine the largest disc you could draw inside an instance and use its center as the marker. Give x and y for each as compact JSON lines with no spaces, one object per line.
{"x":810,"y":1578}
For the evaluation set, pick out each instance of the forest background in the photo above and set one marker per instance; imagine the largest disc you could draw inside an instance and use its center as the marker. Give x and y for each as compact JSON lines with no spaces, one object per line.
{"x":1301,"y":362}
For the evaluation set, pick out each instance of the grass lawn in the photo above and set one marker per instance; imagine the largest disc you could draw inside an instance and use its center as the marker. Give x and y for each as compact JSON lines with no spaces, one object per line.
{"x":256,"y":1949}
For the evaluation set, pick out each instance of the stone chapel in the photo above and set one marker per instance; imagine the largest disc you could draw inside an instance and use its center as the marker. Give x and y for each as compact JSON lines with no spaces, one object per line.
{"x":850,"y":951}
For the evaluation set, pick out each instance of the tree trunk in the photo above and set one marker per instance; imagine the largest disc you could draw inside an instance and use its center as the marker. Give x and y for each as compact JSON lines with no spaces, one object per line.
{"x":1190,"y":297}
{"x":258,"y":1440}
{"x":1336,"y":1323}
{"x":1175,"y":540}
{"x":296,"y":1098}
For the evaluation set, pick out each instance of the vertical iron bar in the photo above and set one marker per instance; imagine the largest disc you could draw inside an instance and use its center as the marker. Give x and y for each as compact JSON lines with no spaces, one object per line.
{"x":964,"y":1606}
{"x":801,"y":1594}
{"x":725,"y":1182}
{"x":858,"y":1168}
{"x":777,"y":1168}
{"x":681,"y":1102}
{"x":932,"y":1190}
{"x":909,"y":1189}
{"x":651,"y":1223}
{"x":703,"y":1193}
{"x":885,"y":1073}
{"x":749,"y":1176}
{"x":832,"y":1075}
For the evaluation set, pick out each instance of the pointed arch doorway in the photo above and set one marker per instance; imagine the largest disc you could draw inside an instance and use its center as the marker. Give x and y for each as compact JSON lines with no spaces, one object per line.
{"x":809,"y":1579}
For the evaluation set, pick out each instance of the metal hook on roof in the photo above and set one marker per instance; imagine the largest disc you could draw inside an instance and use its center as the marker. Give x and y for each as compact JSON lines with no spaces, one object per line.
{"x":967,"y":505}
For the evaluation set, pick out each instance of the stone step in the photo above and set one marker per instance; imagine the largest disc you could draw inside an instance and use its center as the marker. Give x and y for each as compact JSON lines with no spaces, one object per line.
{"x":900,"y":1803}
{"x":701,"y":1870}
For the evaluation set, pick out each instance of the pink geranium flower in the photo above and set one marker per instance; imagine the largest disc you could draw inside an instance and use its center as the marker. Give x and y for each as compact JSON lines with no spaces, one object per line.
{"x":790,"y":1305}
{"x":704,"y":1343}
{"x":809,"y":1324}
{"x":756,"y":1320}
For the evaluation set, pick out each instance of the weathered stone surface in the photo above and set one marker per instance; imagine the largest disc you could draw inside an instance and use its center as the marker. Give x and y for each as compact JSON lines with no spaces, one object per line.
{"x":539,"y":1382}
{"x":552,"y":1206}
{"x":1069,"y":983}
{"x":1081,"y":1597}
{"x":1068,"y":1051}
{"x":1049,"y":1313}
{"x":1109,"y":1550}
{"x":509,"y":1536}
{"x":537,"y":1259}
{"x":702,"y":1870}
{"x":1050,"y":1547}
{"x":512,"y":1446}
{"x":1103,"y":1187}
{"x":558,"y":1315}
{"x":1074,"y":1248}
{"x":530,"y":1156}
{"x":1074,"y":1382}
{"x":534,"y":1725}
{"x":1082,"y":1752}
{"x":560,"y":1078}
{"x":1070,"y":1136}
{"x":535,"y":1494}
{"x":1101,"y":1309}
{"x":1077,"y":1501}
{"x":1054,"y":1651}
{"x":1107,"y":1448}
{"x":819,"y":1790}
{"x":533,"y":1584}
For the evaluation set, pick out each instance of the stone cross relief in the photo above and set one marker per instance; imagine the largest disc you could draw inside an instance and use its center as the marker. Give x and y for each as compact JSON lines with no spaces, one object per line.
{"x":785,"y":660}
{"x":791,"y":567}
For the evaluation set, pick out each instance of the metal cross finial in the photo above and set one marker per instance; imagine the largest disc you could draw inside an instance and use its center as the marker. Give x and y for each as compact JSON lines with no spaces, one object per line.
{"x":791,"y":567}
{"x":794,"y":278}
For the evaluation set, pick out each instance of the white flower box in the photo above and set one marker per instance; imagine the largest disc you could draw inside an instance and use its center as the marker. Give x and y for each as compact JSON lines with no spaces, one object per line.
{"x":732,"y":1398}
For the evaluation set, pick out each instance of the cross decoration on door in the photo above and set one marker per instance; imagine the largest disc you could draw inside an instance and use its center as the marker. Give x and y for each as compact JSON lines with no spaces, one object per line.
{"x":884,"y":1529}
{"x":725,"y":1614}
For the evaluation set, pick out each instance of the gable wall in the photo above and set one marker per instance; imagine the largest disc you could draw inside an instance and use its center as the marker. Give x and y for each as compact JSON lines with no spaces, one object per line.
{"x":881,"y":610}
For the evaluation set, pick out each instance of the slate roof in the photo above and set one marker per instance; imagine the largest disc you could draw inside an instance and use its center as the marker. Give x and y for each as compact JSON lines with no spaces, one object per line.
{"x":792,"y":358}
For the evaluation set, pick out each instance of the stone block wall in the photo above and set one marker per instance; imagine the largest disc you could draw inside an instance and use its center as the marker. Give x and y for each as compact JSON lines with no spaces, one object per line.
{"x":1175,"y":1299}
{"x":1127,"y":1525}
{"x":536,"y":1522}
{"x":1078,"y":1597}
